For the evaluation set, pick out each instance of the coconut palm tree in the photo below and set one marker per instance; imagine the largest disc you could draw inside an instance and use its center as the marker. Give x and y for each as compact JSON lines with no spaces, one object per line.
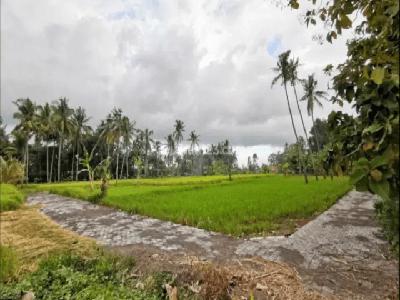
{"x":80,"y":120}
{"x":157,"y":150}
{"x":147,"y":141}
{"x":312,"y":96}
{"x":127,"y":131}
{"x":64,"y":125}
{"x":179,"y":128}
{"x":171,"y":148}
{"x":46,"y":130}
{"x":294,"y":80}
{"x":283,"y":74}
{"x":194,"y":140}
{"x":115,"y":133}
{"x":26,"y":114}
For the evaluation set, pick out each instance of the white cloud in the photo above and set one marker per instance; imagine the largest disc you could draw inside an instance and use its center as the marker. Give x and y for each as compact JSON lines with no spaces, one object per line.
{"x":205,"y":62}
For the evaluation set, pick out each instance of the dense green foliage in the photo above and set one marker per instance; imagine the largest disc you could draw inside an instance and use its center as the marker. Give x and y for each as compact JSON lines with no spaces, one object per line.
{"x":10,"y":197}
{"x":246,"y":205}
{"x":70,"y":276}
{"x":369,"y":79}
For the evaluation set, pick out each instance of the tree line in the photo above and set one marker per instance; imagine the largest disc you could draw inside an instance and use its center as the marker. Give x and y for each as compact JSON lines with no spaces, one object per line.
{"x":55,"y":142}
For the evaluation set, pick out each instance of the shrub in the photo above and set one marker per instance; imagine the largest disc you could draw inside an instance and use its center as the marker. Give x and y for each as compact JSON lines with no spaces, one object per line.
{"x":11,"y":171}
{"x":388,"y":215}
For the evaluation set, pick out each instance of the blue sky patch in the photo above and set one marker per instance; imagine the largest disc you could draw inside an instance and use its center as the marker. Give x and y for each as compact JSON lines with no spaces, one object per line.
{"x":123,"y":14}
{"x":274,"y":46}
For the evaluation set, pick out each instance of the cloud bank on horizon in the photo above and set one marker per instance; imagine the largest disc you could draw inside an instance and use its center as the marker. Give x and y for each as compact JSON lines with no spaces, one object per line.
{"x":208,"y":63}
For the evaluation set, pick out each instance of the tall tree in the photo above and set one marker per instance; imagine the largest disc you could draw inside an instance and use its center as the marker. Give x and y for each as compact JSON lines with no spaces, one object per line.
{"x":194,"y":140}
{"x":127,"y":131}
{"x":147,"y":141}
{"x":157,"y":150}
{"x":294,"y":80}
{"x":79,"y":120}
{"x":283,"y":71}
{"x":171,"y":148}
{"x":117,"y":133}
{"x":26,"y":115}
{"x":64,"y":125}
{"x":46,"y":130}
{"x":179,"y":128}
{"x":312,"y":96}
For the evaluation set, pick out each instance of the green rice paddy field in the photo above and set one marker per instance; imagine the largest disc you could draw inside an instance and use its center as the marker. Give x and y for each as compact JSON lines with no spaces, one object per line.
{"x":250,"y":204}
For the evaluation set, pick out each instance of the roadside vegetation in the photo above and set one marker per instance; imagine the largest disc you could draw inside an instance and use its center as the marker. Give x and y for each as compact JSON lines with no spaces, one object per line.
{"x":10,"y":197}
{"x":246,"y":205}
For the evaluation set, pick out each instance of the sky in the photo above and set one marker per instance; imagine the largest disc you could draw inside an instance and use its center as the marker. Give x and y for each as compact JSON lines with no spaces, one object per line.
{"x":206,"y":62}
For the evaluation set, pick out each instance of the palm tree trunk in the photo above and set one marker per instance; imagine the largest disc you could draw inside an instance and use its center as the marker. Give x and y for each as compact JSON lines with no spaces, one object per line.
{"x":52,"y":164}
{"x":315,"y":132}
{"x":127,"y":165}
{"x":304,"y":128}
{"x":146,"y":163}
{"x":47,"y":161}
{"x":295,"y":133}
{"x":72,"y":165}
{"x":77,"y":165}
{"x":59,"y":159}
{"x":122,"y":166}
{"x":27,"y":162}
{"x":116,"y":171}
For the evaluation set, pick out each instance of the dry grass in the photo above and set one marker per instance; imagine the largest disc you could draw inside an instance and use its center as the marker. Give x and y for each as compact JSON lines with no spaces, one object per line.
{"x":34,"y":236}
{"x":239,"y":279}
{"x":235,"y":278}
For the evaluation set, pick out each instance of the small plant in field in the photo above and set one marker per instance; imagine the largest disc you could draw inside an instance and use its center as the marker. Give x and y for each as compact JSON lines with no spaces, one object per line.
{"x":139,"y":165}
{"x":103,"y":170}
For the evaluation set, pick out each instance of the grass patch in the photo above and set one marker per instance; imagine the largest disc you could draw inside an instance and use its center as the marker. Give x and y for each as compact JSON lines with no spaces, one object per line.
{"x":70,"y":276}
{"x":10,"y":197}
{"x":247,"y":205}
{"x":9,"y":263}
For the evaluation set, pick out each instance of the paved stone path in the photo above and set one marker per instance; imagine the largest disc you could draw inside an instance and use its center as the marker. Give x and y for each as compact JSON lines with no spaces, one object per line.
{"x":340,"y":252}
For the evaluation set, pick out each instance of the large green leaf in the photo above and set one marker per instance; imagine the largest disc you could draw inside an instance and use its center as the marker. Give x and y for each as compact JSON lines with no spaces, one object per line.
{"x":378,"y":161}
{"x":358,"y":174}
{"x":373,"y":128}
{"x":380,"y":188}
{"x":345,"y":22}
{"x":377,"y":75}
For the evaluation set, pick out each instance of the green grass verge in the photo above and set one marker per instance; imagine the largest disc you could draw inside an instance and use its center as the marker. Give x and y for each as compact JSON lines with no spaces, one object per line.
{"x":10,"y":197}
{"x":246,"y":205}
{"x":69,"y":276}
